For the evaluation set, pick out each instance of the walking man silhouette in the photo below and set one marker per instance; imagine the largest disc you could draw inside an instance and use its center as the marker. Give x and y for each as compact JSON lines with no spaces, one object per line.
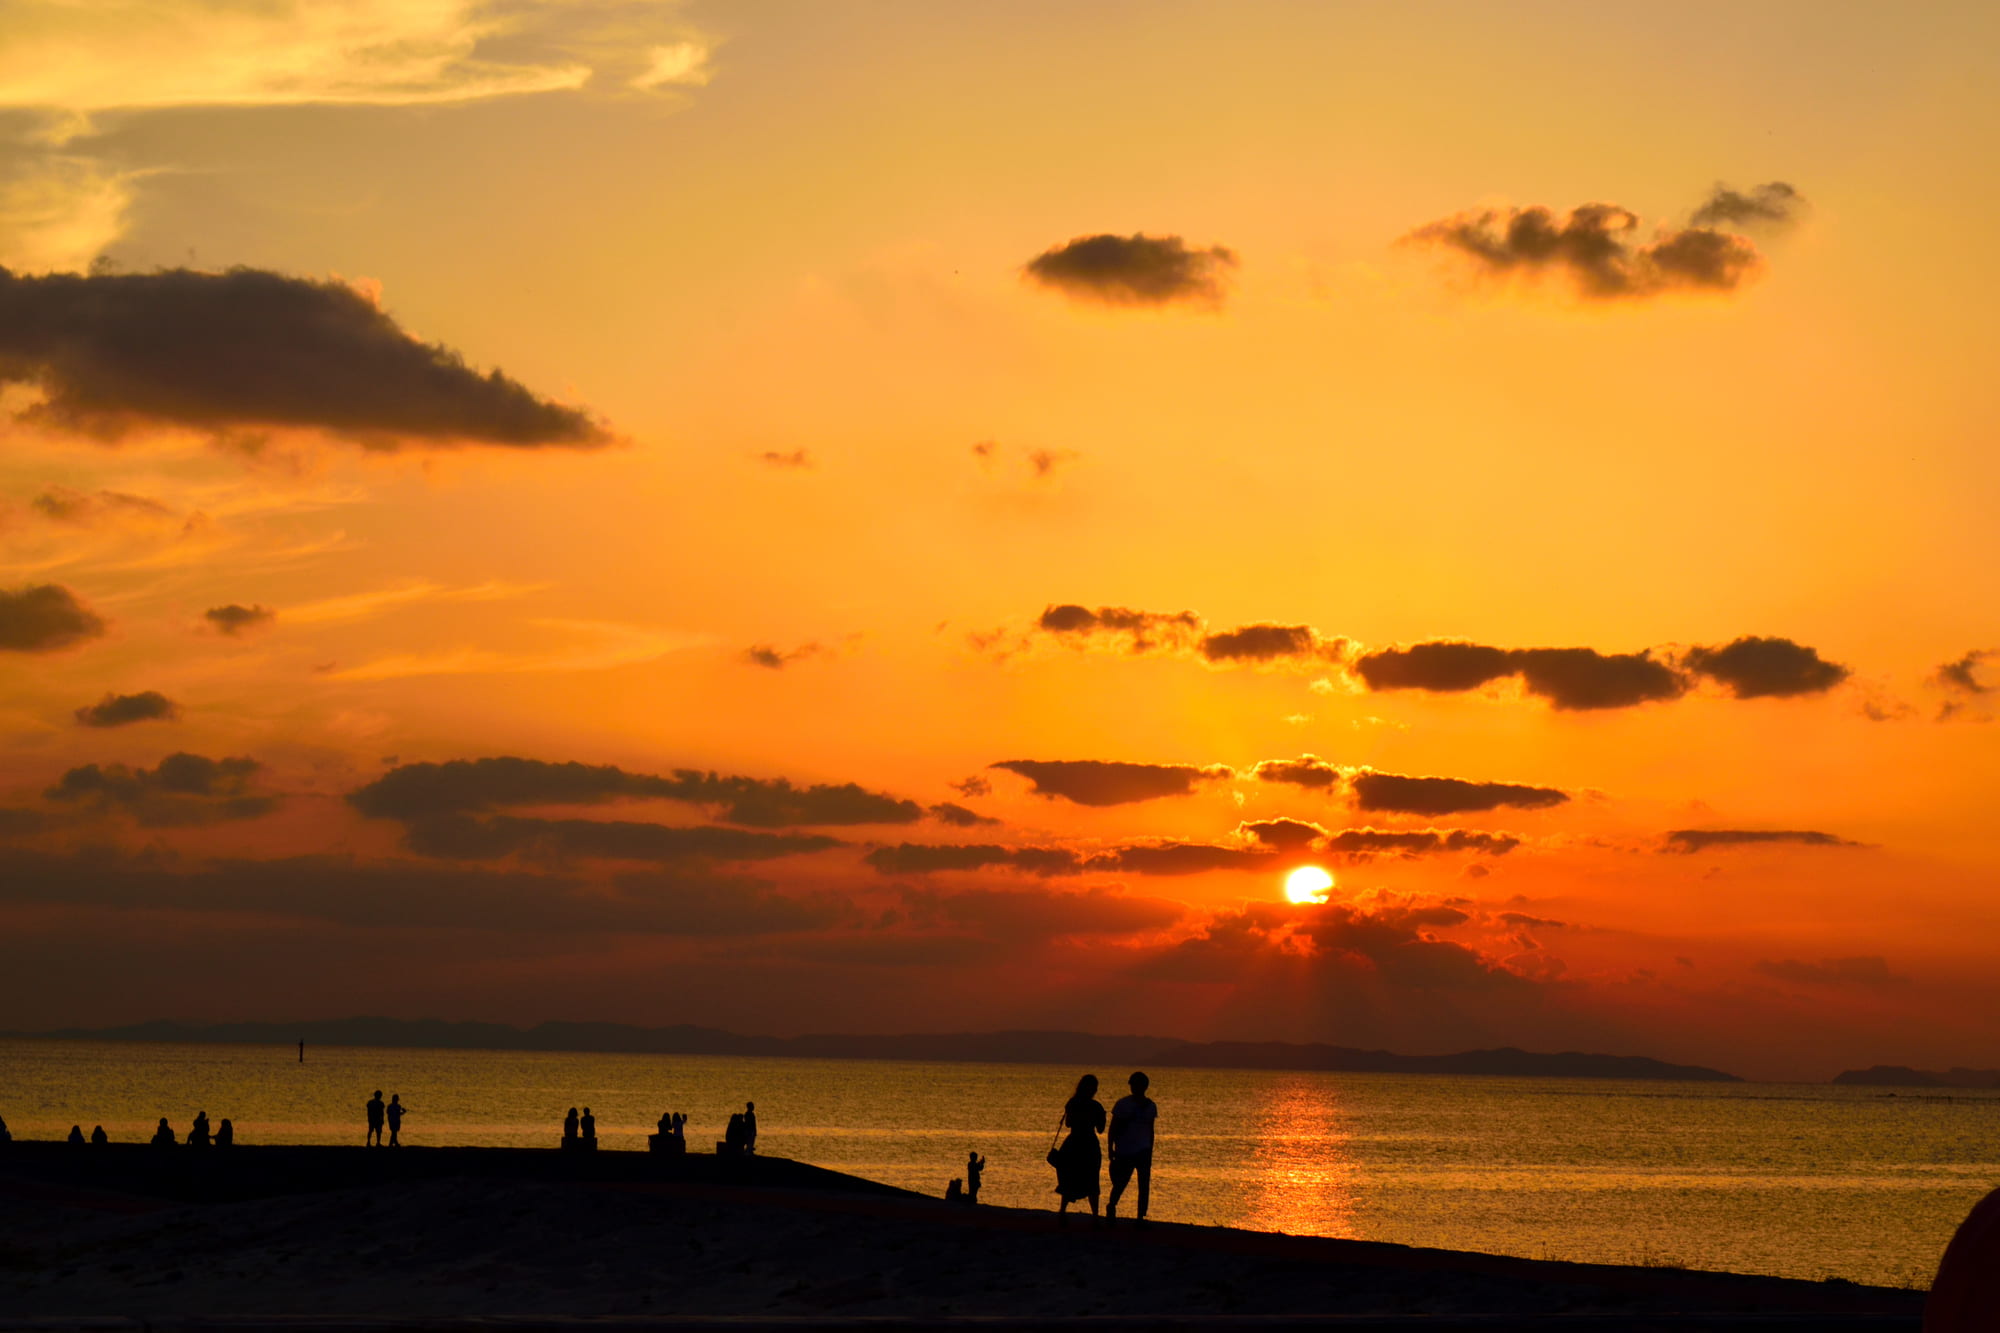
{"x":375,"y":1110}
{"x":1131,"y":1139}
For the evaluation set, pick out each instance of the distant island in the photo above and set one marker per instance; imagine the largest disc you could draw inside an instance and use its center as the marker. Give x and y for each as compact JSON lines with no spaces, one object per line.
{"x":1069,"y":1048}
{"x":1902,"y":1076}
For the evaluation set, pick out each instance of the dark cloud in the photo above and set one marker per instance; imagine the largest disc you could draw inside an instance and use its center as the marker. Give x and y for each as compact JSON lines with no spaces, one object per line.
{"x":797,"y":458}
{"x":1691,"y":840}
{"x":776,"y":659}
{"x":976,"y":785}
{"x":1284,"y":835}
{"x":1865,"y":971}
{"x":1031,"y":914}
{"x":19,"y":823}
{"x":84,"y":510}
{"x":1569,"y":678}
{"x":1144,"y":631}
{"x":1772,"y":204}
{"x":950,"y":812}
{"x":911,"y":858}
{"x":247,"y":350}
{"x":183,"y":789}
{"x":1533,"y":922}
{"x":234,"y":619}
{"x":1309,"y":771}
{"x":1362,"y":843}
{"x":118,"y":710}
{"x":1261,"y":643}
{"x":467,"y":837}
{"x":1965,"y":681}
{"x":1182,"y":858}
{"x":459,"y":786}
{"x":1446,"y":796}
{"x":1387,"y":945}
{"x":1134,"y":270}
{"x":1757,"y":668}
{"x":1185,"y":632}
{"x":1598,"y":247}
{"x":1583,"y":678}
{"x":1110,"y":782}
{"x":1442,"y":666}
{"x":45,"y":618}
{"x":415,"y":895}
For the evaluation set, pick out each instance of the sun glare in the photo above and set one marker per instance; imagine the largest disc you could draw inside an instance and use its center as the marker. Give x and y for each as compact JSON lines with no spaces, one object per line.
{"x":1307,"y":884}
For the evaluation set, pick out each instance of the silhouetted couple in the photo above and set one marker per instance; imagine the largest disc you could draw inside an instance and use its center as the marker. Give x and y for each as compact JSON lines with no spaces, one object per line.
{"x":1077,"y":1158}
{"x":392,"y":1114}
{"x":580,"y":1132}
{"x":741,"y":1136}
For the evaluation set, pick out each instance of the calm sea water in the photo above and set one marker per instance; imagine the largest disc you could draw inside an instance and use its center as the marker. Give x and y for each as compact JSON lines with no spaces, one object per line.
{"x":1796,"y":1180}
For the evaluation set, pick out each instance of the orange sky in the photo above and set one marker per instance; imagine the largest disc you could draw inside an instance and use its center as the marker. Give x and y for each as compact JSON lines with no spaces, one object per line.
{"x":889,"y":392}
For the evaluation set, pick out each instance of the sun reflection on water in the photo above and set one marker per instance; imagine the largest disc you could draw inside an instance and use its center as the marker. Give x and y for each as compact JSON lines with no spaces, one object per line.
{"x":1304,"y":1179}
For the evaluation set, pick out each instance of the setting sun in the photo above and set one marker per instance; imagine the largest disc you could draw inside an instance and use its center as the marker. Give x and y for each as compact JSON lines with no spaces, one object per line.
{"x":1307,"y":884}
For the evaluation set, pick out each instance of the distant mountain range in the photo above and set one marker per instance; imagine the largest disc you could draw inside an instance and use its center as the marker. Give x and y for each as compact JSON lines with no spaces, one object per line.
{"x":1902,"y":1076}
{"x":1063,"y":1048}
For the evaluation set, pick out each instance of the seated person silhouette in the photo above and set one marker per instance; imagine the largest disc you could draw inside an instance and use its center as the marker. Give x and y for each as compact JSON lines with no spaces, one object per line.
{"x":975,"y":1165}
{"x":954,"y":1192}
{"x":569,"y":1129}
{"x":732,"y":1137}
{"x":198,"y":1132}
{"x":98,"y":1136}
{"x":225,"y":1134}
{"x":587,"y":1131}
{"x":76,"y":1135}
{"x":163,"y":1137}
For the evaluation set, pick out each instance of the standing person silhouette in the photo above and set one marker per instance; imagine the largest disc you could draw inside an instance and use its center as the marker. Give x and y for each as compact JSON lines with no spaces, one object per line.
{"x":974,"y":1165}
{"x":375,"y":1110}
{"x":1079,"y":1158}
{"x":749,"y":1127}
{"x":1131,"y":1142}
{"x":394,"y":1112}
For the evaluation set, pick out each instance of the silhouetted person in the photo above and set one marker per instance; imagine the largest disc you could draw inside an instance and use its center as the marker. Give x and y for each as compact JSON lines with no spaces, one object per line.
{"x":732,"y":1137}
{"x":225,"y":1134}
{"x":1131,"y":1142}
{"x":98,"y":1136}
{"x":569,"y":1127}
{"x":76,"y":1135}
{"x":1079,"y":1158}
{"x":394,"y":1112}
{"x":680,"y":1125}
{"x":749,"y":1127}
{"x":954,"y":1193}
{"x":375,"y":1116}
{"x":163,"y":1137}
{"x":587,"y":1127}
{"x":974,"y":1166}
{"x":198,"y":1131}
{"x":666,"y":1126}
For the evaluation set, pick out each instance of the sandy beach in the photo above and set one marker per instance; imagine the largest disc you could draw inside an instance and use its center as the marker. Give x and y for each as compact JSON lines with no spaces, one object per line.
{"x":334,"y":1237}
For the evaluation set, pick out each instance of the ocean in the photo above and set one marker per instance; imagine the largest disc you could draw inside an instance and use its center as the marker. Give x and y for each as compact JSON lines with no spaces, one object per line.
{"x":1794,"y":1180}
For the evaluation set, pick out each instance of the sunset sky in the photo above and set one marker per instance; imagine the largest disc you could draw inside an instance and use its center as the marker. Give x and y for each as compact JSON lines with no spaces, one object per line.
{"x":929,"y":511}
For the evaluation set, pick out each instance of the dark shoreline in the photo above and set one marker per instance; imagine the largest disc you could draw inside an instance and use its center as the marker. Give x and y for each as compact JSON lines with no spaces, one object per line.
{"x":1007,"y":1047}
{"x":436,"y":1234}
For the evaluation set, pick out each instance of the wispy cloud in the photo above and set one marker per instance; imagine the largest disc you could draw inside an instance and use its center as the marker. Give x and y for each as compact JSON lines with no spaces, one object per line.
{"x":364,"y":605}
{"x":599,"y":646}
